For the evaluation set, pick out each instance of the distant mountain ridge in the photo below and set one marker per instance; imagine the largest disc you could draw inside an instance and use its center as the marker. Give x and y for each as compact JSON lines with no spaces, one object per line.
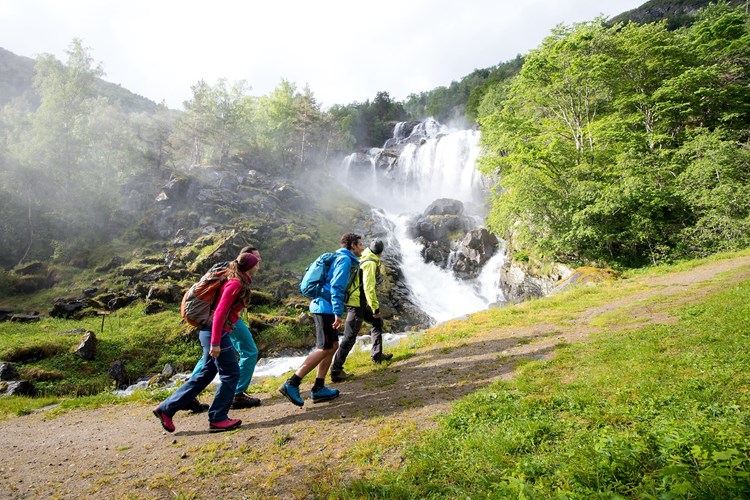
{"x":17,"y":73}
{"x":677,"y":12}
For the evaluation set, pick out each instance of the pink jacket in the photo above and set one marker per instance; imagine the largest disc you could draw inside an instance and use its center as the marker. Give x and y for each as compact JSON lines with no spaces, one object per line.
{"x":225,"y":315}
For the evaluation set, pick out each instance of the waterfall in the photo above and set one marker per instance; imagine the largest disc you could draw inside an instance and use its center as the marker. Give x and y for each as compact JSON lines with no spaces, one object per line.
{"x":413,"y":169}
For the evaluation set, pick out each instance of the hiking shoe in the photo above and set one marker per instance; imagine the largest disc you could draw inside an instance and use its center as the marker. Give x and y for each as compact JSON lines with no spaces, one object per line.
{"x":196,"y":406}
{"x":340,"y":376}
{"x":324,"y":394}
{"x":166,"y":420}
{"x":382,"y":357}
{"x":244,"y":401}
{"x":291,"y":393}
{"x":225,"y":425}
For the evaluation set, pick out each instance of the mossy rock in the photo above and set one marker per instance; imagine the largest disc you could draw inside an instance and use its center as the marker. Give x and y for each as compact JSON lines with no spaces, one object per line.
{"x":262,"y":299}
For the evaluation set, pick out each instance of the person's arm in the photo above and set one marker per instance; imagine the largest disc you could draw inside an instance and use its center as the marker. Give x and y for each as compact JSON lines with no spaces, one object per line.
{"x":339,"y":280}
{"x":229,"y":293}
{"x":370,"y":278}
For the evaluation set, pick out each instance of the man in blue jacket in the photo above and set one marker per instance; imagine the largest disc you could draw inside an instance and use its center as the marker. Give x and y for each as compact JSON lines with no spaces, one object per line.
{"x":328,"y":315}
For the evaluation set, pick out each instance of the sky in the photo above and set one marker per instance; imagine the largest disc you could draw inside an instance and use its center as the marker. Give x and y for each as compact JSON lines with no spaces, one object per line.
{"x":344,"y":50}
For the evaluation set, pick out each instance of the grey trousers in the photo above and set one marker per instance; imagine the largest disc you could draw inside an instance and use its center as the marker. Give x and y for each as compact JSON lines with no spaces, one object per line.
{"x":354,"y":318}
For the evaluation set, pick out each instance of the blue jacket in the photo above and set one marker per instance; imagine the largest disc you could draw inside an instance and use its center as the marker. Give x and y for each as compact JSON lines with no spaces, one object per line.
{"x":331,"y":300}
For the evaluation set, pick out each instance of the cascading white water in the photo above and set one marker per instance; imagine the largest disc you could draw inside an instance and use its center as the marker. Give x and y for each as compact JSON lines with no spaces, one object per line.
{"x":434,"y":162}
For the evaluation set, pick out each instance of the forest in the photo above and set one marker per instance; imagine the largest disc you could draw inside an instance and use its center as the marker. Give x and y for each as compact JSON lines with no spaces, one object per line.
{"x":625,"y":145}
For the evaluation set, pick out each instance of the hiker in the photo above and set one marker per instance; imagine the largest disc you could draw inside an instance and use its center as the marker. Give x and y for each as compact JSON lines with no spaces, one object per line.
{"x":362,"y":305}
{"x":244,"y":344}
{"x":327,"y":310}
{"x":218,"y":353}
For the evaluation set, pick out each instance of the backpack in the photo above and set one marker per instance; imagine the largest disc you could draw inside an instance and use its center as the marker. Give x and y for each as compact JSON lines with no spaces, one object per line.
{"x":316,"y":275}
{"x":198,"y":302}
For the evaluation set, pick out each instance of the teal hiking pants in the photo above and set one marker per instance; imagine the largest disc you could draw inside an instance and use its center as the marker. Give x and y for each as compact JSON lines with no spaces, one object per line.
{"x":244,"y":344}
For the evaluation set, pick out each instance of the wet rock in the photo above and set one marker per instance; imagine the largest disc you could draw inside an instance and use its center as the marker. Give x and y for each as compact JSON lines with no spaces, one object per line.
{"x":119,"y":374}
{"x":445,"y":206}
{"x":17,"y":388}
{"x":8,"y":371}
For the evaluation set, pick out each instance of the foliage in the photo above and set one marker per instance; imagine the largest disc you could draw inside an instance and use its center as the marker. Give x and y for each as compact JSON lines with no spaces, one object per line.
{"x":657,"y":412}
{"x":622,"y":144}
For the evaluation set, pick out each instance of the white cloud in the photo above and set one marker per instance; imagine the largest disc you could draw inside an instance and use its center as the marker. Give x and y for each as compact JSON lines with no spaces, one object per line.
{"x":345,"y":50}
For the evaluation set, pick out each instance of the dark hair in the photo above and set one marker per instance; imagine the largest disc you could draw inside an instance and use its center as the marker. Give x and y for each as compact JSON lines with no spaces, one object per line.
{"x":248,"y":249}
{"x":349,"y":239}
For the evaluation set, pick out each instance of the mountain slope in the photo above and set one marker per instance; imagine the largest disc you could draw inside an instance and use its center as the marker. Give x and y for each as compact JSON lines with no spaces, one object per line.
{"x":17,"y":73}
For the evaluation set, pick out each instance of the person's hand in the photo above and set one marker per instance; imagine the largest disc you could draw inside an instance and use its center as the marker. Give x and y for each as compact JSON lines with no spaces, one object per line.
{"x":215,"y":351}
{"x":337,"y":323}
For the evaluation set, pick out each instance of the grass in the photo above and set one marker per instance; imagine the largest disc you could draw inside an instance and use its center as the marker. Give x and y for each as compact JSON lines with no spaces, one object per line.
{"x":661,"y":411}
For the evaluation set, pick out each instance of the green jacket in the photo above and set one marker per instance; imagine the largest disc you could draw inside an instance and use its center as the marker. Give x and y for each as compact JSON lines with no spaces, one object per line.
{"x":369,"y":263}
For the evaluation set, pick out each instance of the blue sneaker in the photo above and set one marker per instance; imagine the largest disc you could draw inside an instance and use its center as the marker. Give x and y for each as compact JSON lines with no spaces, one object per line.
{"x":291,"y":393}
{"x":324,"y":394}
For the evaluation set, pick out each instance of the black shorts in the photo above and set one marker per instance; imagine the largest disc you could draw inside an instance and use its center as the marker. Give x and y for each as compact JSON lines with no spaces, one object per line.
{"x":325,"y":335}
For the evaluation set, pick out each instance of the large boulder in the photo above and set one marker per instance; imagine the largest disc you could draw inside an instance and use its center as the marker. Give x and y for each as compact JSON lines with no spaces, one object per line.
{"x":69,"y":307}
{"x":445,"y":206}
{"x":473,"y":252}
{"x":87,"y":348}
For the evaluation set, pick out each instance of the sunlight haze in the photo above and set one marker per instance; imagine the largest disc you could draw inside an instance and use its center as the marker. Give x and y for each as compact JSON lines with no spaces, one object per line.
{"x":345,"y":51}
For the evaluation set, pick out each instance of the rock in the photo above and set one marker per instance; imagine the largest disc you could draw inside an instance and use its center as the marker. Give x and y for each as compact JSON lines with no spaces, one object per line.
{"x":167,"y":292}
{"x":75,"y":331}
{"x":116,"y":262}
{"x":473,"y":252}
{"x":87,"y":348}
{"x":8,"y":371}
{"x":169,"y":371}
{"x":17,"y":388}
{"x":25,"y":318}
{"x":68,"y":308}
{"x":119,"y":374}
{"x":5,"y":313}
{"x":153,"y":307}
{"x":33,"y":283}
{"x":445,"y":206}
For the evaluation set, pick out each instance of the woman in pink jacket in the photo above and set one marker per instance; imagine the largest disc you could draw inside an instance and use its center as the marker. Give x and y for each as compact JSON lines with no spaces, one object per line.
{"x":218,"y":353}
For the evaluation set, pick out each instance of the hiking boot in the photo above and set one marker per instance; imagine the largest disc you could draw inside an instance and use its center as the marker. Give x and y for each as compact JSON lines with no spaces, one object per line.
{"x":225,"y":425}
{"x":340,"y":376}
{"x":291,"y":393}
{"x":196,"y":406}
{"x":382,"y":357}
{"x":324,"y":394}
{"x":244,"y":401}
{"x":166,"y":420}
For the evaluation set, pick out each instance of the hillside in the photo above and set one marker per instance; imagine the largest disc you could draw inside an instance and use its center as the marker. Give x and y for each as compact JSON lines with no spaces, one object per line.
{"x":17,"y":73}
{"x":347,"y":448}
{"x":676,"y":12}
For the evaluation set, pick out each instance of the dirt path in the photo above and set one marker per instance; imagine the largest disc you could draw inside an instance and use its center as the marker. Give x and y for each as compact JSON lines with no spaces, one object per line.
{"x":282,"y":451}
